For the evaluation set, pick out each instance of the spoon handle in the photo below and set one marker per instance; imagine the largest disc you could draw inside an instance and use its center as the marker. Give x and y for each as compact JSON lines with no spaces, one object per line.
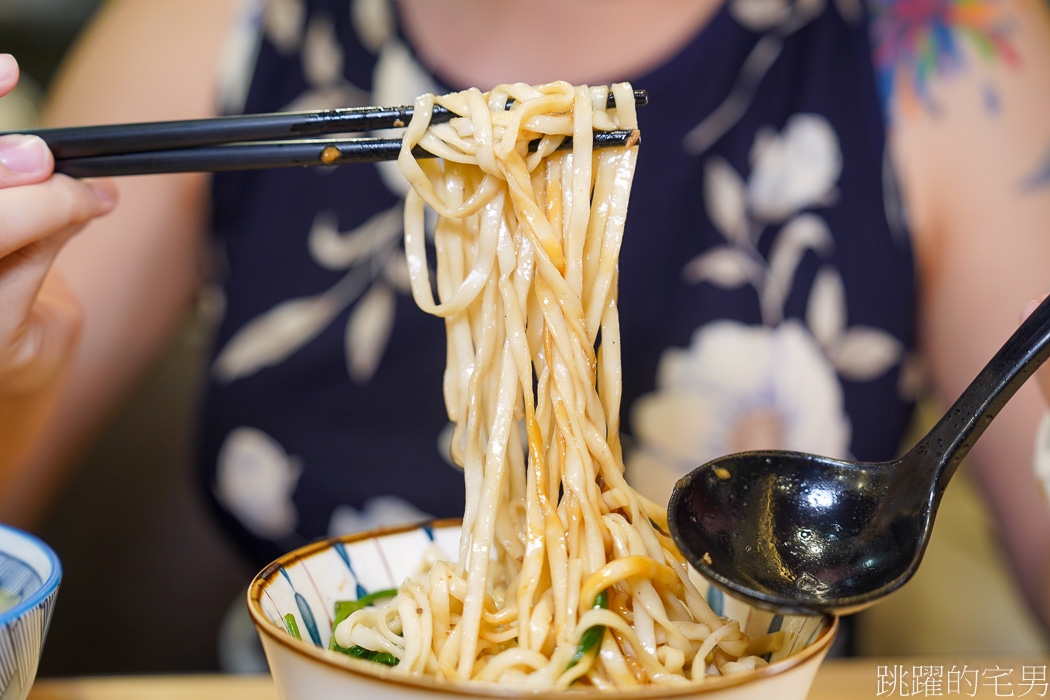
{"x":952,"y":437}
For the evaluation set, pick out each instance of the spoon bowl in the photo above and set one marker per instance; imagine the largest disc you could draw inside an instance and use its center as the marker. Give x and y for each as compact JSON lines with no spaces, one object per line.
{"x":797,"y":532}
{"x":805,"y":534}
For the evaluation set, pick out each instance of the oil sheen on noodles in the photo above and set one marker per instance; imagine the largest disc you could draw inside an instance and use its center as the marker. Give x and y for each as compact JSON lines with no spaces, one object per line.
{"x":526,"y":274}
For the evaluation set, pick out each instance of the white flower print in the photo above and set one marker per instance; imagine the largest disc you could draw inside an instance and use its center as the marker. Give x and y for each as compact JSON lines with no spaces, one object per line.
{"x":368,"y":330}
{"x":379,"y":511}
{"x":795,"y":169}
{"x":858,"y":352}
{"x":778,"y":384}
{"x":762,"y":15}
{"x":237,"y":60}
{"x":736,"y":387}
{"x":373,"y":21}
{"x":398,"y":79}
{"x":255,"y":480}
{"x":791,"y":171}
{"x":283,"y":24}
{"x":371,"y":257}
{"x":322,"y":55}
{"x":725,"y":198}
{"x":269,"y":339}
{"x":369,"y":253}
{"x":322,"y":58}
{"x":775,"y":20}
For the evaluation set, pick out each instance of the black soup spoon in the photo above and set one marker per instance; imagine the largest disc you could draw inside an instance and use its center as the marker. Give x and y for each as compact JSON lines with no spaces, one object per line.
{"x":803,"y":534}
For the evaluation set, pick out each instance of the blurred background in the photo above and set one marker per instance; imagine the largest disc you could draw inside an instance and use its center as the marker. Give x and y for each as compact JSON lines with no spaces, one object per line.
{"x":135,"y":487}
{"x":37,"y":32}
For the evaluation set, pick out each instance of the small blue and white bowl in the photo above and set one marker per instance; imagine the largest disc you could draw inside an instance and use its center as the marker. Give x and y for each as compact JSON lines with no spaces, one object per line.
{"x":29,"y":576}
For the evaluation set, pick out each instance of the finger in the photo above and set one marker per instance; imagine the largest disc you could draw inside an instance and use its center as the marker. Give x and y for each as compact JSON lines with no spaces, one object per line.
{"x":22,"y":275}
{"x":24,"y":160}
{"x":34,"y":212}
{"x":41,"y":344}
{"x":36,"y":330}
{"x":8,"y":73}
{"x":39,"y":316}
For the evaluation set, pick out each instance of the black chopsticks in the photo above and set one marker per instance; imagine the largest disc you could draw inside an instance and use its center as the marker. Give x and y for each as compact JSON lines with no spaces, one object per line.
{"x":247,"y":142}
{"x":272,"y":154}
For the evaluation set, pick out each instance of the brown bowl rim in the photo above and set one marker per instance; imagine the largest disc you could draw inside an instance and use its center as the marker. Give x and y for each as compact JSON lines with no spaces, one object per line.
{"x":374,"y":672}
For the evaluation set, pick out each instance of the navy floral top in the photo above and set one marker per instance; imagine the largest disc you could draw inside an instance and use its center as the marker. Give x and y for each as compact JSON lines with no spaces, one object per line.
{"x":766,"y":280}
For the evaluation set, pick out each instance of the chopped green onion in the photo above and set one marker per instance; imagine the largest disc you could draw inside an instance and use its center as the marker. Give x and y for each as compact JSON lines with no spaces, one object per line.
{"x":343,"y":610}
{"x":592,"y":636}
{"x":292,"y":626}
{"x":358,"y":652}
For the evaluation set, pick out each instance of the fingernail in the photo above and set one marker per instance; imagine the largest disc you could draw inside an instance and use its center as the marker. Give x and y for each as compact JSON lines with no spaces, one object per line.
{"x":105,"y":192}
{"x":8,"y":67}
{"x":1030,"y":308}
{"x":23,"y":153}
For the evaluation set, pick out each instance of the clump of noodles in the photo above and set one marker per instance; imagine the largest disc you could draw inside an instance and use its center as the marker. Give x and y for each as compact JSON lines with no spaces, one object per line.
{"x":526,"y":250}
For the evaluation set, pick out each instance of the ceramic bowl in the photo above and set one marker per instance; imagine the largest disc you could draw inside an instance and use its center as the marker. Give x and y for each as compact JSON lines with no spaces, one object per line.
{"x":308,"y":581}
{"x":29,"y":576}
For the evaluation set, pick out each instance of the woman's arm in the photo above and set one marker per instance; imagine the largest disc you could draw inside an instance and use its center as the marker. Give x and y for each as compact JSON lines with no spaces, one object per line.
{"x":133,"y":273}
{"x":971,"y":136}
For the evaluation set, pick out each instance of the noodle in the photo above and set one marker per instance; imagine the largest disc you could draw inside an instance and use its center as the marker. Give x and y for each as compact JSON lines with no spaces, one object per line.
{"x":526,"y":250}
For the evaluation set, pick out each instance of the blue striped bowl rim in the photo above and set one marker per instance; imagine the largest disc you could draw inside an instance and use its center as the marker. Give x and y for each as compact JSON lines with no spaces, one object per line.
{"x":50,"y":584}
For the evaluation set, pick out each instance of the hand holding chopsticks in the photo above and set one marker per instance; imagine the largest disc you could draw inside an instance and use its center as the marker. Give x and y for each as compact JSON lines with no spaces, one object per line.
{"x":252,"y":141}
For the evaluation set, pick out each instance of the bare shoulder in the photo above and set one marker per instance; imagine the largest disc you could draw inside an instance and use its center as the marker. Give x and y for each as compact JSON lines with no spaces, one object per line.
{"x":938,"y":60}
{"x":144,"y":60}
{"x":136,"y":271}
{"x":967,"y":101}
{"x":967,"y":98}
